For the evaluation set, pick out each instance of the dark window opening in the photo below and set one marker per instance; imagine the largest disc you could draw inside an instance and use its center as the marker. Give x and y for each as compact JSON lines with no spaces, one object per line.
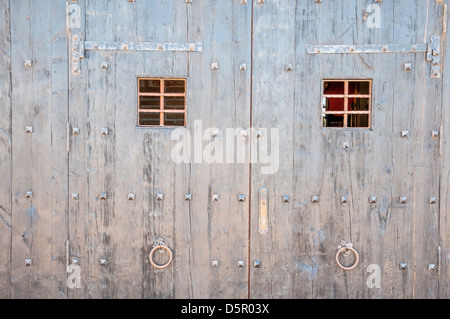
{"x":161,"y":102}
{"x":347,"y":104}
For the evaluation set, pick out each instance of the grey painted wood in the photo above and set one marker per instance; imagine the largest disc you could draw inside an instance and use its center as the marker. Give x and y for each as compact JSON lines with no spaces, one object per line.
{"x":297,"y":254}
{"x":5,"y":151}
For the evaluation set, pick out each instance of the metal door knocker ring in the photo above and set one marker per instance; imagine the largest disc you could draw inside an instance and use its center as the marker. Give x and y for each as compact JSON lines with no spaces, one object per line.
{"x":344,"y":248}
{"x":160,"y":244}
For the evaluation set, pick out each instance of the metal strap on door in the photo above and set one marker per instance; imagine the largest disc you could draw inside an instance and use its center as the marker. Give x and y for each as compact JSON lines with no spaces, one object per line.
{"x":79,"y":46}
{"x":432,"y":50}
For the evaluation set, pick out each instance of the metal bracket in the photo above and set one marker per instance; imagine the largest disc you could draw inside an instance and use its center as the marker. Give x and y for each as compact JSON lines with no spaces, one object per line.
{"x":79,"y":47}
{"x":433,"y":56}
{"x":432,"y":50}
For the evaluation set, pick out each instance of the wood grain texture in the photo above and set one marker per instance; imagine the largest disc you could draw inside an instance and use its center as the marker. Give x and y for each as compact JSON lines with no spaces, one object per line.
{"x":297,"y":254}
{"x":5,"y":150}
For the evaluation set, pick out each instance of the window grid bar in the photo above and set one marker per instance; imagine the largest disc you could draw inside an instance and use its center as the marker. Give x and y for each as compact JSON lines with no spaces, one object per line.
{"x":346,"y":96}
{"x":162,"y":111}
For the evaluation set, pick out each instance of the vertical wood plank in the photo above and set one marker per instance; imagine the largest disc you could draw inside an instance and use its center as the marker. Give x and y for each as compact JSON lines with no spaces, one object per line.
{"x":5,"y":150}
{"x":272,"y":109}
{"x":59,"y":155}
{"x":79,"y":210}
{"x":22,"y":209}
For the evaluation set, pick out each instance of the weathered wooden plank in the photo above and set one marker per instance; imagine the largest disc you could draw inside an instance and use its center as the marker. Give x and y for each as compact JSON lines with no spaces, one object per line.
{"x":40,"y":114}
{"x":229,"y":109}
{"x":101,"y":160}
{"x":158,"y":173}
{"x":126,"y":226}
{"x":79,"y":209}
{"x":306,"y":236}
{"x":59,"y":155}
{"x":5,"y":151}
{"x":443,"y":146}
{"x":426,"y":118}
{"x":272,"y":109}
{"x":22,"y":209}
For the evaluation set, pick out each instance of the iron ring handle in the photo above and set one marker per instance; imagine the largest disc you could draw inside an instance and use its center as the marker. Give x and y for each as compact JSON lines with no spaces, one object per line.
{"x":150,"y":257}
{"x":340,"y":251}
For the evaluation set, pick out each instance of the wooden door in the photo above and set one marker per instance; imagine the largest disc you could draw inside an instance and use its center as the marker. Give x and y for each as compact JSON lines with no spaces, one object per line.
{"x":382,"y":189}
{"x":112,"y":158}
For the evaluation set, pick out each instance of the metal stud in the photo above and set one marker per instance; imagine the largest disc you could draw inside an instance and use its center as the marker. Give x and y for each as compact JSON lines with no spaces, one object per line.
{"x":407,"y":66}
{"x":435,"y":133}
{"x":188,"y":1}
{"x":344,"y":199}
{"x":241,"y":197}
{"x":215,"y":132}
{"x":29,"y":129}
{"x":431,"y":267}
{"x":29,"y":194}
{"x":372,"y":199}
{"x":403,"y":199}
{"x":159,"y":197}
{"x":103,"y":196}
{"x":75,"y":196}
{"x":215,"y":197}
{"x":28,"y":262}
{"x":405,"y":133}
{"x":28,"y":63}
{"x":187,"y":197}
{"x":257,"y":264}
{"x":403,"y":266}
{"x":215,"y":263}
{"x":243,"y":67}
{"x":75,"y":261}
{"x":259,"y":133}
{"x":214,"y":66}
{"x":433,"y":200}
{"x":241,"y":263}
{"x":315,"y":199}
{"x":131,"y":196}
{"x":289,"y":68}
{"x":76,"y":131}
{"x":243,"y":1}
{"x":346,"y":145}
{"x":104,"y":65}
{"x":286,"y":198}
{"x":261,"y":1}
{"x":244,"y":133}
{"x":104,"y":131}
{"x":103,"y":262}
